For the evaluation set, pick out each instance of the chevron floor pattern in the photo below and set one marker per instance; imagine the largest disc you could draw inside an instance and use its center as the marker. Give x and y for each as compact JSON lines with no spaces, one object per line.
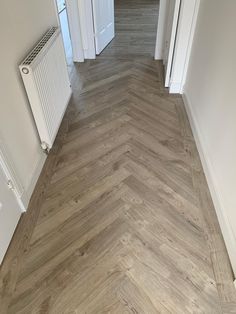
{"x":121,"y":220}
{"x":121,"y":228}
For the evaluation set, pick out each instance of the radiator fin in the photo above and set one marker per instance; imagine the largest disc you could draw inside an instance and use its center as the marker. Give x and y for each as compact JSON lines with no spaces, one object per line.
{"x":33,"y":54}
{"x":47,"y":84}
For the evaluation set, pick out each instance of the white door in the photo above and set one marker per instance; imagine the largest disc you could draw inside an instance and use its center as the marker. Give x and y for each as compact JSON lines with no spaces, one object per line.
{"x":103,"y":16}
{"x":170,"y":35}
{"x":10,"y":213}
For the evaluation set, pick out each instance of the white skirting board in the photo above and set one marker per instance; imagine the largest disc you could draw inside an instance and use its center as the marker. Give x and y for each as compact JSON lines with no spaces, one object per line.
{"x":213,"y":186}
{"x":25,"y":197}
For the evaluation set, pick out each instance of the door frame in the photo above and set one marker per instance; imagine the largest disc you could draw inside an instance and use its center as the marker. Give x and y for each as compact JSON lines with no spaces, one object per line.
{"x":10,"y":214}
{"x":85,"y":9}
{"x":72,"y":10}
{"x":75,"y":30}
{"x":80,"y":18}
{"x":13,"y":180}
{"x":169,"y":49}
{"x":183,"y":43}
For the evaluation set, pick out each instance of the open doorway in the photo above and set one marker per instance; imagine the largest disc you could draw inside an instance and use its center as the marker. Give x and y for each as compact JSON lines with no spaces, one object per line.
{"x":63,"y":18}
{"x":135,"y":29}
{"x":127,"y":29}
{"x":117,"y":28}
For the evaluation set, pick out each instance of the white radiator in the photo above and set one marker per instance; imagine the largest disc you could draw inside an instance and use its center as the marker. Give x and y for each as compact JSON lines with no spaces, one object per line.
{"x":45,"y":75}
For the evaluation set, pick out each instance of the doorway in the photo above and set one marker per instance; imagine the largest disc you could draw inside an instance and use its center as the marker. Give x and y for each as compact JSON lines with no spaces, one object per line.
{"x":63,"y":18}
{"x":135,"y":29}
{"x":134,"y":24}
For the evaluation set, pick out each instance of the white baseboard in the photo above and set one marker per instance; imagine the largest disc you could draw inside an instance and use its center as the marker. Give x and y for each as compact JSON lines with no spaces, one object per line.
{"x":212,"y":184}
{"x":25,"y":197}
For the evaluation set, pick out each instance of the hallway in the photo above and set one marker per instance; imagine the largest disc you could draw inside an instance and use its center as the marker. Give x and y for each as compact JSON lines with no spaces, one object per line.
{"x":121,"y":220}
{"x":121,"y":227}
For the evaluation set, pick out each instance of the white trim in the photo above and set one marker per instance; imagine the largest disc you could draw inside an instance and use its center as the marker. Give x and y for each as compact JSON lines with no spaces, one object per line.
{"x":11,"y":175}
{"x":72,"y":11}
{"x":186,"y":27}
{"x":190,"y":42}
{"x":212,"y":183}
{"x":171,"y":42}
{"x":87,"y":30}
{"x":75,"y":31}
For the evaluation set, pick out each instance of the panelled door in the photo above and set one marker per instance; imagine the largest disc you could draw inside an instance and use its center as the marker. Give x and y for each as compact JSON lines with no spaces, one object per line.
{"x":103,"y":17}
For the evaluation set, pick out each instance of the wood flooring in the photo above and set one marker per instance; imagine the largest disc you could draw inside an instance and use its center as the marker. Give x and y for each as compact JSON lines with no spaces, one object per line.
{"x":121,"y":220}
{"x":135,"y":29}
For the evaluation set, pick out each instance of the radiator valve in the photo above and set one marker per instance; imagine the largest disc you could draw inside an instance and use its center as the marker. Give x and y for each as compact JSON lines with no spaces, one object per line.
{"x":45,"y":147}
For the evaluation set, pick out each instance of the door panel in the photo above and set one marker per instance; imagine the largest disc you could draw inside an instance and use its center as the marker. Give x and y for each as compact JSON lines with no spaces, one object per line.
{"x":103,"y":15}
{"x":10,"y":213}
{"x":170,"y":35}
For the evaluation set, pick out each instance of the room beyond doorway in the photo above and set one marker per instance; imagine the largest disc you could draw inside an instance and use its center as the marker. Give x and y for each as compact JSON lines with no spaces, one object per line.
{"x":62,"y":14}
{"x":135,"y":29}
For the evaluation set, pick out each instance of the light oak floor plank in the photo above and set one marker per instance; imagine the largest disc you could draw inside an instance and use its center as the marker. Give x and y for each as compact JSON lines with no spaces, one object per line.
{"x":121,"y":219}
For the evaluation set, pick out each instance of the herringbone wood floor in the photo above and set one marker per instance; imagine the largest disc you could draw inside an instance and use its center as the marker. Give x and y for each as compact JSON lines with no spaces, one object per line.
{"x":135,"y":28}
{"x":121,"y":220}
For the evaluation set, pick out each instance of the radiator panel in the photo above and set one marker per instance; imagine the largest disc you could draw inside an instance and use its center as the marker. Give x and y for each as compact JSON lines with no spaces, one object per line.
{"x":47,"y":84}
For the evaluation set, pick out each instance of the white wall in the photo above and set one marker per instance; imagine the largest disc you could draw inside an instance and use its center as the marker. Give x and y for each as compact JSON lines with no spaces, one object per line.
{"x":211,"y":102}
{"x":22,"y":24}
